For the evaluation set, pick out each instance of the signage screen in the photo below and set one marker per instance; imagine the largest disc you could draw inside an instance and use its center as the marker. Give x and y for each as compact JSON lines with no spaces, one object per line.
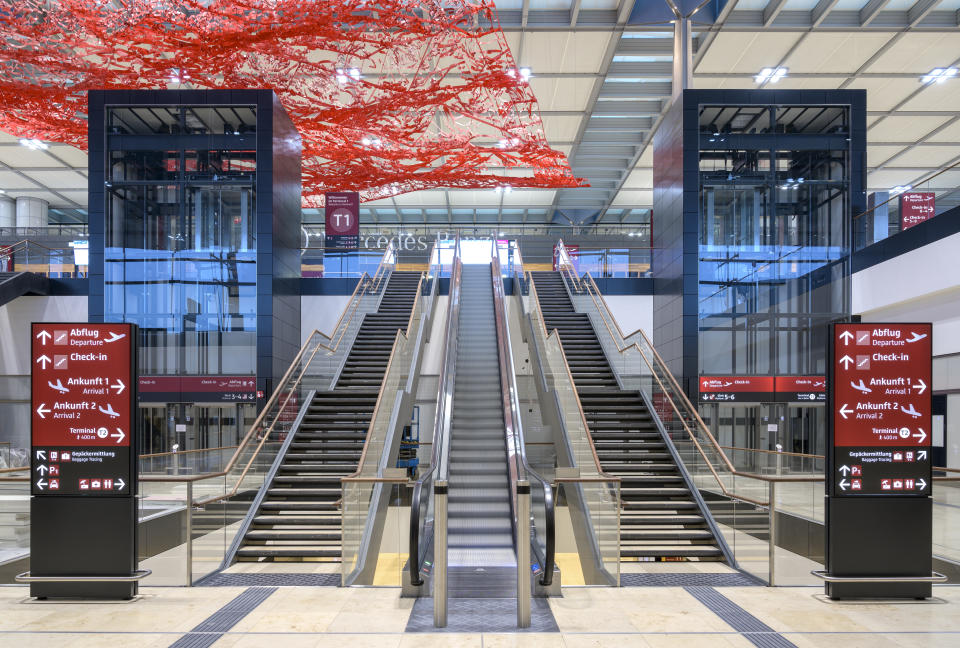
{"x":82,"y":401}
{"x":197,"y":389}
{"x":342,"y":219}
{"x":916,"y":208}
{"x":800,"y":389}
{"x":881,"y":409}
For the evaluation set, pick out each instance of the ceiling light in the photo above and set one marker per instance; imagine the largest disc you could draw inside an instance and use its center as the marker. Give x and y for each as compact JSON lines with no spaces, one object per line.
{"x":938,"y":75}
{"x":899,"y":189}
{"x":770,"y":75}
{"x":34,"y":144}
{"x":525,"y":73}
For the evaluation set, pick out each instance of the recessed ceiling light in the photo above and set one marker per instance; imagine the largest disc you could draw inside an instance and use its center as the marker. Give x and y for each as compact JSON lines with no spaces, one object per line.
{"x":938,"y":75}
{"x":770,"y":75}
{"x":34,"y":144}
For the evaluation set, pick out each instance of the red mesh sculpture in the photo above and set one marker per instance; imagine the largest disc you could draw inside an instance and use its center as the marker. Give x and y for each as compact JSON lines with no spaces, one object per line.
{"x":389,"y":96}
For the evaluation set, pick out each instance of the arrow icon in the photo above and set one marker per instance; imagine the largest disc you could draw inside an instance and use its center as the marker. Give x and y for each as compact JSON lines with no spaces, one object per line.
{"x":846,"y":361}
{"x":861,"y":387}
{"x":846,"y":336}
{"x":41,"y":455}
{"x":42,"y":410}
{"x":923,"y":385}
{"x":120,"y":484}
{"x":843,"y":484}
{"x":41,"y":483}
{"x":844,"y":412}
{"x":920,"y":433}
{"x":44,"y":361}
{"x":119,"y":436}
{"x":921,"y":455}
{"x":119,"y":386}
{"x":43,"y":336}
{"x":844,"y":470}
{"x":42,"y":469}
{"x":921,"y":484}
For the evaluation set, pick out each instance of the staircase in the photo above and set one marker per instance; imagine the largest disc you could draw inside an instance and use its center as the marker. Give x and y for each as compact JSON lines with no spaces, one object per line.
{"x":299,"y":518}
{"x":17,"y":284}
{"x":481,"y":558}
{"x":659,"y":519}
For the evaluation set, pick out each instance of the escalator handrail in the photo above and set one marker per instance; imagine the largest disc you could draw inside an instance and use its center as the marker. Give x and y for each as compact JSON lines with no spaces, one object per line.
{"x":442,"y":418}
{"x":514,"y":430}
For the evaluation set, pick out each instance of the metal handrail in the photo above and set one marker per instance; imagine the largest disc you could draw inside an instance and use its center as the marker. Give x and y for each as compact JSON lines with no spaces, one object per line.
{"x":441,"y":421}
{"x":514,"y":429}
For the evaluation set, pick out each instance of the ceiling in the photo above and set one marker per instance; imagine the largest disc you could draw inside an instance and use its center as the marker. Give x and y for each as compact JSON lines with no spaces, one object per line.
{"x":602,"y":76}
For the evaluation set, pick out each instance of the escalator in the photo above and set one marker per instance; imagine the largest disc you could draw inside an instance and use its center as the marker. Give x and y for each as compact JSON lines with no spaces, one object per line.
{"x":299,"y":515}
{"x":660,"y":517}
{"x":481,"y":560}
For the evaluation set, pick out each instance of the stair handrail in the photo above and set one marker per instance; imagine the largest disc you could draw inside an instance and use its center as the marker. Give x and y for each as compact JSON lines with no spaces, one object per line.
{"x":684,"y":410}
{"x":516,"y":441}
{"x":442,"y":418}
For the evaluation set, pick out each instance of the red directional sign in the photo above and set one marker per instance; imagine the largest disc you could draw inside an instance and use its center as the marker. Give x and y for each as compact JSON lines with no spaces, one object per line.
{"x":82,"y":388}
{"x":736,"y":388}
{"x":881,"y":408}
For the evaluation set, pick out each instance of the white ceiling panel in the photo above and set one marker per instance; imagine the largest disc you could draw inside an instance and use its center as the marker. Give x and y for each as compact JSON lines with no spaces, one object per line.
{"x":562,"y":94}
{"x":747,"y":52}
{"x":919,"y":52}
{"x":59,"y":179}
{"x":927,"y":156}
{"x":563,"y":51}
{"x":10,"y":179}
{"x":902,"y":129}
{"x":475,"y":198}
{"x":950,"y":133}
{"x":21,"y":156}
{"x":639,"y":179}
{"x":528,"y":197}
{"x":420,"y":198}
{"x":937,"y":96}
{"x":561,"y":129}
{"x":879,"y":154}
{"x":835,"y":51}
{"x":634,"y":198}
{"x":884,"y":94}
{"x":884,"y":180}
{"x":70,"y":155}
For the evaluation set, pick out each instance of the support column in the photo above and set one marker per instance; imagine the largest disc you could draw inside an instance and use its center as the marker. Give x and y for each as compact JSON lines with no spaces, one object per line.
{"x":8,"y":212}
{"x":682,"y":56}
{"x":31,"y":212}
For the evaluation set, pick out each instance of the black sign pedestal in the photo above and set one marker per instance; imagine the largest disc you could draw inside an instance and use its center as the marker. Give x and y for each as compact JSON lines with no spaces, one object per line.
{"x":79,"y":536}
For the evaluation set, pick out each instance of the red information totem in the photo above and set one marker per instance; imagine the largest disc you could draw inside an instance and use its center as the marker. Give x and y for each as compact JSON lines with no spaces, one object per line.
{"x":881,"y":409}
{"x":82,"y":386}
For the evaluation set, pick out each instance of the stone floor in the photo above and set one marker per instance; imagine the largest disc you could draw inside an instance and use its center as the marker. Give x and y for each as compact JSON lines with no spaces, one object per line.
{"x":648,"y":617}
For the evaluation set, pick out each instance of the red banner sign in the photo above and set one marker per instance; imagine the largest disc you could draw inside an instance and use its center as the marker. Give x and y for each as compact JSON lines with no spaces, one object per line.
{"x":220,"y":389}
{"x":82,"y":423}
{"x":736,"y":388}
{"x":916,"y":208}
{"x":881,"y":410}
{"x":800,"y":388}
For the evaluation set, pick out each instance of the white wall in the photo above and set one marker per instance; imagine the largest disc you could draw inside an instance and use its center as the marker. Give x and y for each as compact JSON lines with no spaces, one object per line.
{"x":922,"y":285}
{"x":320,"y":312}
{"x":15,"y":320}
{"x":632,"y":312}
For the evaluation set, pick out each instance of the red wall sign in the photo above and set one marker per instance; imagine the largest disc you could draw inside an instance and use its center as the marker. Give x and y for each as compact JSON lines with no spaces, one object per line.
{"x":82,"y":399}
{"x":881,"y":409}
{"x":800,"y":388}
{"x":916,"y":208}
{"x":197,"y":389}
{"x":736,"y":388}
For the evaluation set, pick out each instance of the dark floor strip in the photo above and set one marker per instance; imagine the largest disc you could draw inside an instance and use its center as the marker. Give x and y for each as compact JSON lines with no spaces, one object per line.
{"x":689,"y":580}
{"x":211,"y":629}
{"x":270,"y":580}
{"x":481,"y":615}
{"x":753,"y":629}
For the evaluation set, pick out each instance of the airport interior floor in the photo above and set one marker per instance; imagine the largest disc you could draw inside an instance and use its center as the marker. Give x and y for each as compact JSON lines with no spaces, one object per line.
{"x":660,"y":605}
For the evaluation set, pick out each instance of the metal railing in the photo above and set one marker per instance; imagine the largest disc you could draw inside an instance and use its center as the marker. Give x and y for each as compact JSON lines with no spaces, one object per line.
{"x":590,"y":494}
{"x":365,"y":491}
{"x":428,"y":506}
{"x":536,"y":532}
{"x":220,"y":496}
{"x":30,"y":256}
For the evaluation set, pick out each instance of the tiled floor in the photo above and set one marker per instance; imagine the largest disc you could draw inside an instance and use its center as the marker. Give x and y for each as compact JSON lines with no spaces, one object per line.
{"x":647,"y":617}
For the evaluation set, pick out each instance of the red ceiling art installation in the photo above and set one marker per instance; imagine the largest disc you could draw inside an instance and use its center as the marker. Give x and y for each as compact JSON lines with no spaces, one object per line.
{"x":389,"y":96}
